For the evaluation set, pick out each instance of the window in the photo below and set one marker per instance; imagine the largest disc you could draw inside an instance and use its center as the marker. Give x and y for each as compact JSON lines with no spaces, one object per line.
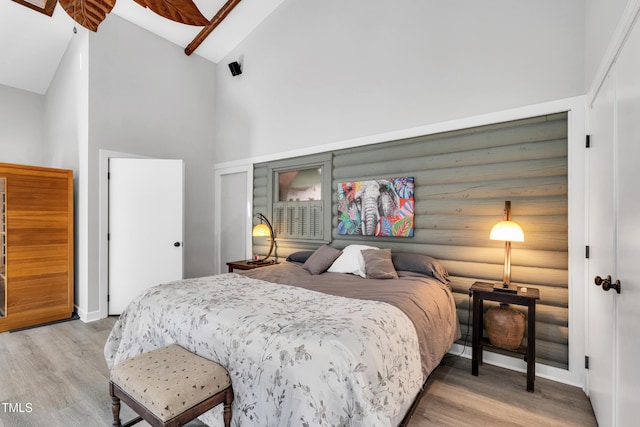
{"x":299,"y":193}
{"x":300,"y":185}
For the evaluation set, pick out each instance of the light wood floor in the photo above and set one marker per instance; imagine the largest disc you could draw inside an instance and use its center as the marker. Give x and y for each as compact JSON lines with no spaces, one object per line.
{"x":59,"y":372}
{"x":498,"y":397}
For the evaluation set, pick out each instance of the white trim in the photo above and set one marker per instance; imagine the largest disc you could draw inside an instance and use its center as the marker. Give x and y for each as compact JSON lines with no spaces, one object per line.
{"x":577,"y":125}
{"x":587,"y":213}
{"x":575,"y":106}
{"x":451,"y":125}
{"x":623,"y":29}
{"x":515,"y":364}
{"x":103,"y":228}
{"x":615,"y":356}
{"x":88,"y":316}
{"x":219,"y":171}
{"x":82,"y":281}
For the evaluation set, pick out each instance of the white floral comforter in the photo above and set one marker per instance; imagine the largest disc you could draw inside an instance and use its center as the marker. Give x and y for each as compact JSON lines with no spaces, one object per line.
{"x":296,"y":357}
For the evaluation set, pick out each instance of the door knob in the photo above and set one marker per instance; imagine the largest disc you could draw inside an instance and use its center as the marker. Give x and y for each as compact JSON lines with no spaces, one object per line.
{"x":176,"y":244}
{"x":606,"y":283}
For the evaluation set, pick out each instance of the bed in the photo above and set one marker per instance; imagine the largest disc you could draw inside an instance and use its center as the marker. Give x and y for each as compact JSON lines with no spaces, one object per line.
{"x":302,"y":347}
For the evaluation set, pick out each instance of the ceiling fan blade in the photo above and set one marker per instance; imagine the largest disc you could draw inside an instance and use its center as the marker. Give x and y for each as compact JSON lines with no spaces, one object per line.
{"x":88,"y":13}
{"x":182,"y":11}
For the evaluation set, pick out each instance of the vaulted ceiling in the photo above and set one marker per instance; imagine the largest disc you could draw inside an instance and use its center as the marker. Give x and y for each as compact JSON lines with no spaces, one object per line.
{"x":32,"y":43}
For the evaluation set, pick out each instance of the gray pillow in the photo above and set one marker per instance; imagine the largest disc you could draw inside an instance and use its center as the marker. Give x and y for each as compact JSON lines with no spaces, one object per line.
{"x":300,"y":256}
{"x":378,"y":265}
{"x":321,"y":259}
{"x":423,"y":264}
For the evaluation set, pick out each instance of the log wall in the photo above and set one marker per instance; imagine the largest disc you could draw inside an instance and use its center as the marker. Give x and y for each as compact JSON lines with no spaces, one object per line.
{"x":462,"y":179}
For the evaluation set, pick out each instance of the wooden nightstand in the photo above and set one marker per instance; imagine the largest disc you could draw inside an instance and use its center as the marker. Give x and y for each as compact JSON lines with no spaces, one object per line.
{"x":484,"y":291}
{"x":248,"y":264}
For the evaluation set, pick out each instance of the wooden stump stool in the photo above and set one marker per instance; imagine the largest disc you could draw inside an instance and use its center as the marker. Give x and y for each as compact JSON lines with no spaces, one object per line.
{"x":169,"y":386}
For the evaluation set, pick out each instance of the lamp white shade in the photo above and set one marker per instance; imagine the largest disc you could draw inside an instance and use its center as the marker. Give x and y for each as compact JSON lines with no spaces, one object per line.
{"x":261,"y":230}
{"x":507,"y":231}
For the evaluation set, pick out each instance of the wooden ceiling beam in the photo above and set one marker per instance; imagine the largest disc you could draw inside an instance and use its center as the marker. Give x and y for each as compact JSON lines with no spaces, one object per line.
{"x":215,"y":21}
{"x":45,"y":6}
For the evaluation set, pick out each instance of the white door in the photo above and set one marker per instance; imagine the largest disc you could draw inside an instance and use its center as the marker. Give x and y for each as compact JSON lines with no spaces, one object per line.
{"x":601,"y":235}
{"x":614,"y":235}
{"x":627,"y":397}
{"x":233,"y":218}
{"x":145,"y":226}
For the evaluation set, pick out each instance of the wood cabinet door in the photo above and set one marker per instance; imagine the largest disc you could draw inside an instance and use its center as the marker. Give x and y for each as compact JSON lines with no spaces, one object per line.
{"x":39,"y":245}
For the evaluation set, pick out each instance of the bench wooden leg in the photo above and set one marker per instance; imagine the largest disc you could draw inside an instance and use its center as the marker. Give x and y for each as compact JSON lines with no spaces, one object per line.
{"x":228,"y":400}
{"x":115,"y":407}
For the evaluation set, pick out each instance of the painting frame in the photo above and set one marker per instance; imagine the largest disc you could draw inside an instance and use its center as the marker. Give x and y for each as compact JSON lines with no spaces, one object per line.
{"x":382,"y":207}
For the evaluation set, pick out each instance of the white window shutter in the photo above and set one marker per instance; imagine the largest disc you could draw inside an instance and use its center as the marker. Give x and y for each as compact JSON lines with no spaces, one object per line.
{"x":298,"y":220}
{"x":315,"y":220}
{"x":303,"y":221}
{"x":279,"y":219}
{"x":290,"y":222}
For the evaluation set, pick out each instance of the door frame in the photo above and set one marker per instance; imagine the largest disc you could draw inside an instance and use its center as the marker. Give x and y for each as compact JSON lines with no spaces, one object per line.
{"x":103,"y":226}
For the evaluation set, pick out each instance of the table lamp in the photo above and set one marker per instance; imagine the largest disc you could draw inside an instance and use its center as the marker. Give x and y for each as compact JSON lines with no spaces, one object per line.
{"x":508,"y":231}
{"x":264,"y":229}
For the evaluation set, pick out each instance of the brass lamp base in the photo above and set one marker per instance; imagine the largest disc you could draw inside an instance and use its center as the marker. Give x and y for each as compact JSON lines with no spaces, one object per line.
{"x":262,"y":261}
{"x":504,"y":287}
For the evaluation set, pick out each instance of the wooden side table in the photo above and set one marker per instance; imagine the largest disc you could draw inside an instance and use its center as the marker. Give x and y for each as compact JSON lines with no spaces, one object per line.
{"x":484,"y":291}
{"x":248,"y":264}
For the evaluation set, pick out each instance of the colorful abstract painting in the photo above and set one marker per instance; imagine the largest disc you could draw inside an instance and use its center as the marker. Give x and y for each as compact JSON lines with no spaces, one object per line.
{"x":381,"y":207}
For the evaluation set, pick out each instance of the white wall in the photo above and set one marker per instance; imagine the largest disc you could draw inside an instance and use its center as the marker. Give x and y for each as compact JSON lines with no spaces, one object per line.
{"x":319,"y":72}
{"x":66,"y":147}
{"x":21,"y":128}
{"x":65,"y":104}
{"x":146,"y":97}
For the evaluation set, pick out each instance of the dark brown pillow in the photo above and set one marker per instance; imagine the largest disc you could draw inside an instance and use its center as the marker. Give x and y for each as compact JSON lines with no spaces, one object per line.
{"x":378,"y":265}
{"x":300,"y":256}
{"x":321,"y":259}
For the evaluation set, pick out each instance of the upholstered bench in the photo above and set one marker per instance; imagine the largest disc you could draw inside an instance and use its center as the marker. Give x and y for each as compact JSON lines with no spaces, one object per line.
{"x":169,"y":386}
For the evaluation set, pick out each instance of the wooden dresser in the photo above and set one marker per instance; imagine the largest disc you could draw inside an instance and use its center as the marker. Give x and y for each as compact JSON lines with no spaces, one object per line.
{"x":36,"y":245}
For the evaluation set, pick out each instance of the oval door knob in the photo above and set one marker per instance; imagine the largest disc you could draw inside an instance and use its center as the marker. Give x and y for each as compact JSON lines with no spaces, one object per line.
{"x":615,"y":285}
{"x":599,"y":280}
{"x":176,"y":244}
{"x":606,"y":283}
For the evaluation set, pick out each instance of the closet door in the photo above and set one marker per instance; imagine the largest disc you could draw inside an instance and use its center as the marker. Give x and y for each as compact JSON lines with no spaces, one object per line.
{"x":232,"y":216}
{"x":613,"y":321}
{"x":601,"y":235}
{"x":628,"y":250}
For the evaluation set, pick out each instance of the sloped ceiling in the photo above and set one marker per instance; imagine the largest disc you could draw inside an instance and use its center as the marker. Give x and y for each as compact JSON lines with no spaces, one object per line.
{"x":32,"y":44}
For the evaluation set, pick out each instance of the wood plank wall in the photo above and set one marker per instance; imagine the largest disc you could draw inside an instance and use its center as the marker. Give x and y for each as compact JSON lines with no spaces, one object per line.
{"x":462,"y":179}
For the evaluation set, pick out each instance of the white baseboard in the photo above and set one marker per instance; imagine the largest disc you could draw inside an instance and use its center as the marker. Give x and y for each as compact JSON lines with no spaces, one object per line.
{"x":88,"y":316}
{"x":542,"y":371}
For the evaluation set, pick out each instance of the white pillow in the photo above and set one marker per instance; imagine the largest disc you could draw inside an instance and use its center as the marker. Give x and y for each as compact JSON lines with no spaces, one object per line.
{"x":351,"y":261}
